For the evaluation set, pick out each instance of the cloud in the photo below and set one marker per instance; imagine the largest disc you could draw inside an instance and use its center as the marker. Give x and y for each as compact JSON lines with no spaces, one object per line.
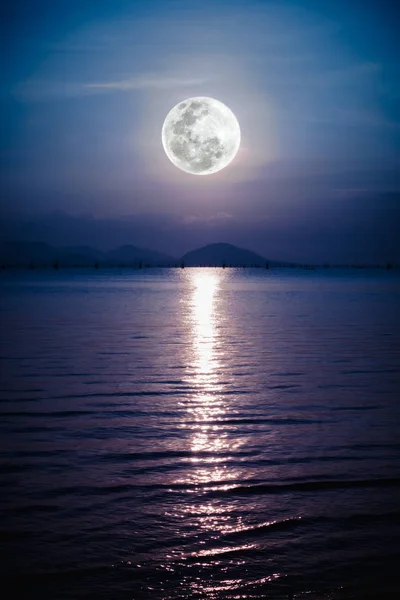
{"x":143,"y":82}
{"x":36,"y":90}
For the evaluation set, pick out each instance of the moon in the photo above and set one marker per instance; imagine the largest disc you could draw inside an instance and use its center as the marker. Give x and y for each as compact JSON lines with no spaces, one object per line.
{"x":200,"y":135}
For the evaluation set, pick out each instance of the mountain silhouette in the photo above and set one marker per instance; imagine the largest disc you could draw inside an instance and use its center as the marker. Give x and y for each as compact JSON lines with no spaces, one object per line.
{"x":217,"y":255}
{"x":39,"y":254}
{"x":80,"y":256}
{"x":20,"y":254}
{"x":132,"y":254}
{"x":82,"y":250}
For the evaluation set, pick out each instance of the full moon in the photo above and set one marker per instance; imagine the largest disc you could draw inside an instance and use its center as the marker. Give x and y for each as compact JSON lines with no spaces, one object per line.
{"x":201,"y":135}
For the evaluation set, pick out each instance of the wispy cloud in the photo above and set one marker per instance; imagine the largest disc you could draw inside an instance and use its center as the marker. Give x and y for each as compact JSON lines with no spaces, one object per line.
{"x":143,"y":82}
{"x":35,"y":90}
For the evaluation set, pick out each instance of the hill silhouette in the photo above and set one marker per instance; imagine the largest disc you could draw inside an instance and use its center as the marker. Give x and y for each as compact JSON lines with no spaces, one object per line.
{"x":216,"y":255}
{"x":40,"y":254}
{"x":132,"y":254}
{"x":20,"y":254}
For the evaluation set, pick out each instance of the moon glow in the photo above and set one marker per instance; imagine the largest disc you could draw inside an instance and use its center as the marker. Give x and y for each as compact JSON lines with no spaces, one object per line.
{"x":201,"y":135}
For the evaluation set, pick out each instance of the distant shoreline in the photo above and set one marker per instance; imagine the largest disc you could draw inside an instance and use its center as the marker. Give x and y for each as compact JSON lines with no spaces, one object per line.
{"x":135,"y":267}
{"x":40,"y":255}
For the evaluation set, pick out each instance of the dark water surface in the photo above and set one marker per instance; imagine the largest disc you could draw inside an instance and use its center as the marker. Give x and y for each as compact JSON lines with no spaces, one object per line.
{"x":200,"y":433}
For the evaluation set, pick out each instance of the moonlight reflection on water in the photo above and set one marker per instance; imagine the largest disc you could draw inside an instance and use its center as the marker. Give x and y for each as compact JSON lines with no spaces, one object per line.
{"x":208,"y":406}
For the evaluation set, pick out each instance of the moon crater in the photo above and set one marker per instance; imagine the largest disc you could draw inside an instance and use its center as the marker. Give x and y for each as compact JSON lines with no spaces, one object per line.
{"x":201,"y":135}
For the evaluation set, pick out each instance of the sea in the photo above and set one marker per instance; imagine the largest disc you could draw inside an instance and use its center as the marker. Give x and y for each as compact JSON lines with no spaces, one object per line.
{"x":200,"y":433}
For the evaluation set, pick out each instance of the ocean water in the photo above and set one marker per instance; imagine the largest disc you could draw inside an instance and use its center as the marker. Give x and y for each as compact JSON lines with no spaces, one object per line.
{"x":200,"y":433}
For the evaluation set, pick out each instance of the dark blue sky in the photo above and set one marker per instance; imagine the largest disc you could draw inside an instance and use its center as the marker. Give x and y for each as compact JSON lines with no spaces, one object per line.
{"x":315,"y":87}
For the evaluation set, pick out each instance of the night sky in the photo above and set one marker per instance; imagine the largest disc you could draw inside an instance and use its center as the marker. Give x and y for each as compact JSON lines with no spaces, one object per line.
{"x":316,"y":89}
